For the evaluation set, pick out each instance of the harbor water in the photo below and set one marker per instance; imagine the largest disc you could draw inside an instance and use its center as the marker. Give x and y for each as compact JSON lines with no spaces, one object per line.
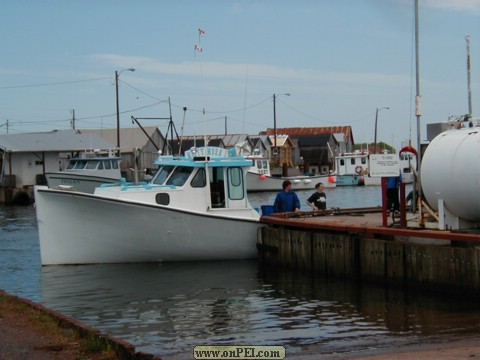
{"x":167,"y":309}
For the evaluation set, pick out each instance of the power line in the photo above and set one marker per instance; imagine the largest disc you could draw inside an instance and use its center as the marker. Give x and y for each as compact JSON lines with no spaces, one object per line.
{"x":226,"y":111}
{"x":143,"y":92}
{"x":52,"y":84}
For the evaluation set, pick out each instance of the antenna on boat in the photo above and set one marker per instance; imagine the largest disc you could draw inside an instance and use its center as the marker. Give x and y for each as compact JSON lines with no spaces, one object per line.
{"x":181,"y":131}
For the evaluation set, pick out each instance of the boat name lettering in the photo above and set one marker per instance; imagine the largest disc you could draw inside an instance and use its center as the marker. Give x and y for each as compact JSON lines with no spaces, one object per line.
{"x":70,"y":181}
{"x":212,"y":152}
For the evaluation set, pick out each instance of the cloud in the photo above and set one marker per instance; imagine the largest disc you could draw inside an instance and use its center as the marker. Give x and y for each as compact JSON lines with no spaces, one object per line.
{"x":458,"y":5}
{"x":238,"y":71}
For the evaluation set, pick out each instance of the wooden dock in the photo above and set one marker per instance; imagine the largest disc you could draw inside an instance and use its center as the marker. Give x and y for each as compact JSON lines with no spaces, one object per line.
{"x":356,"y":243}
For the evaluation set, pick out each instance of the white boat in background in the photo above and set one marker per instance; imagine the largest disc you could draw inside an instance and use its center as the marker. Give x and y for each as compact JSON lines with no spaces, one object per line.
{"x":87,"y":172}
{"x":195,"y":208}
{"x":351,"y":169}
{"x":259,"y":178}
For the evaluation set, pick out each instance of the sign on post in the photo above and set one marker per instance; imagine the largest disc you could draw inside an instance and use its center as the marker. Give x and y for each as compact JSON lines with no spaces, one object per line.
{"x":384,"y":165}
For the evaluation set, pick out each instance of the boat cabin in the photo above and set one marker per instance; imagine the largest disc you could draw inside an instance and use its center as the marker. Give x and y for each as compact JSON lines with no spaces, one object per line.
{"x":351,"y":164}
{"x":216,"y":170}
{"x":94,"y":164}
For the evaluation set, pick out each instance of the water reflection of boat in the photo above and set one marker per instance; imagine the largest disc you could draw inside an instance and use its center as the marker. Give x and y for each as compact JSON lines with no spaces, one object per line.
{"x":86,"y":172}
{"x":162,"y":309}
{"x":259,"y":178}
{"x":195,"y":208}
{"x":167,"y":309}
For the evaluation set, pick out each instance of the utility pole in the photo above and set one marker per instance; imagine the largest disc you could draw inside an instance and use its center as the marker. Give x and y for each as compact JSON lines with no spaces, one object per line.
{"x":467,"y":39}
{"x":73,"y":119}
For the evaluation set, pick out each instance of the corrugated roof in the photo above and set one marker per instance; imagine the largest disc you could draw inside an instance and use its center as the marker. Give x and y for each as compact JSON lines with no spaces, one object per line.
{"x":129,"y":137}
{"x":62,"y":141}
{"x":281,"y":139}
{"x":230,"y":140}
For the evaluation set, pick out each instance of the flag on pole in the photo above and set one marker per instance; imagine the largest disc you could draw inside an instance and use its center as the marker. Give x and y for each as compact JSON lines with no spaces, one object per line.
{"x":197,"y":48}
{"x":201,"y":33}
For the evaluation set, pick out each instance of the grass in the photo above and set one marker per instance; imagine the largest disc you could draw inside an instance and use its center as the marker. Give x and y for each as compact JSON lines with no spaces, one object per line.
{"x":59,"y":335}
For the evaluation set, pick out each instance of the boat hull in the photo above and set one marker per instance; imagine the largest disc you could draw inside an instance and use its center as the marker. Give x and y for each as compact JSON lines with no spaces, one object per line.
{"x":256,"y":182}
{"x":78,"y":231}
{"x":357,"y":180}
{"x":79,"y":182}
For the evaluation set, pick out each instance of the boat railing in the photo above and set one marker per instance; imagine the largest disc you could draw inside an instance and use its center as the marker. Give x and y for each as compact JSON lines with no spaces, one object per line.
{"x":128,"y":185}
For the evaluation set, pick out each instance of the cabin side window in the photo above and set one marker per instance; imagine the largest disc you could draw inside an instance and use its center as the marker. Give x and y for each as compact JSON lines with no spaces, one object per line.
{"x":352,"y":161}
{"x":364,"y":160}
{"x":199,"y":180}
{"x":235,"y":183}
{"x":342,"y":162}
{"x":107,"y":164}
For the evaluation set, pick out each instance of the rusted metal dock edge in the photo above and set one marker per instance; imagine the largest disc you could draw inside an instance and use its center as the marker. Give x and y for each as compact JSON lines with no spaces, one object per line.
{"x":355,"y":244}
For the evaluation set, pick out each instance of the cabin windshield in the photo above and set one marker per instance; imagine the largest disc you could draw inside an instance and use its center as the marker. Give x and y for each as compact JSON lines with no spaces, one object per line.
{"x":262,"y":166}
{"x":80,"y":164}
{"x":162,"y":174}
{"x":92,"y":164}
{"x":179,"y":176}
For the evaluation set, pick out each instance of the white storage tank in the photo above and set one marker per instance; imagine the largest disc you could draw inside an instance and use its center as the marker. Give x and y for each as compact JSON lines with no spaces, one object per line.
{"x":450,"y":170}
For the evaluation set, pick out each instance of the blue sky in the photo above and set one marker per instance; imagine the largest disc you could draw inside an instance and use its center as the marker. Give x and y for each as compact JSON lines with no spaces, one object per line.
{"x":339,"y":60}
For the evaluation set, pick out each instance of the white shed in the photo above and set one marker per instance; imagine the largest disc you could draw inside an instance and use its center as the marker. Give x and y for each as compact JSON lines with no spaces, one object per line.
{"x":24,"y":159}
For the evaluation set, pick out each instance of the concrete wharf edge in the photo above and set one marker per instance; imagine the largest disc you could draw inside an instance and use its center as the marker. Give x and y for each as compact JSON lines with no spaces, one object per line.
{"x":354,"y":243}
{"x":123,"y":349}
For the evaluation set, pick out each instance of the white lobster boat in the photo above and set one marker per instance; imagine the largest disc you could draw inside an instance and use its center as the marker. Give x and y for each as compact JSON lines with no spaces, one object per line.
{"x":259,"y":178}
{"x":87,"y":172}
{"x":352,"y":169}
{"x":195,"y":208}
